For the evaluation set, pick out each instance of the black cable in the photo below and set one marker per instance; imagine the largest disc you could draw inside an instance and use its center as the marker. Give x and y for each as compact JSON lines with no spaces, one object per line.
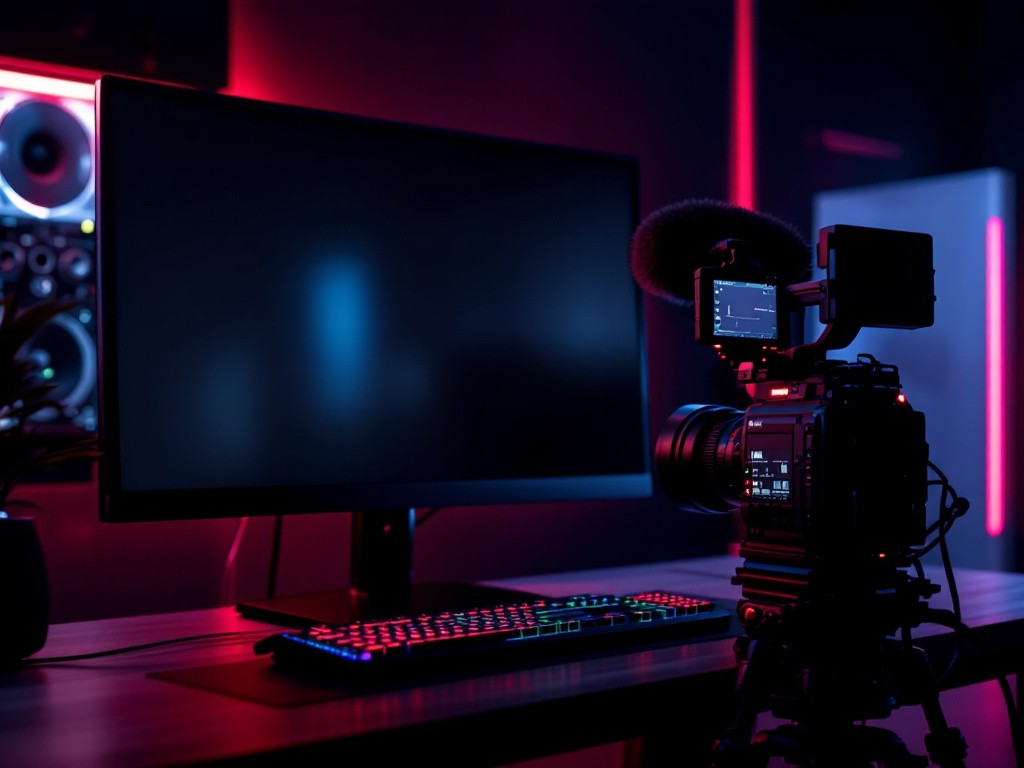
{"x":427,"y":514}
{"x":37,"y":660}
{"x":964,"y":631}
{"x":955,"y":598}
{"x":951,"y":507}
{"x":275,"y":556}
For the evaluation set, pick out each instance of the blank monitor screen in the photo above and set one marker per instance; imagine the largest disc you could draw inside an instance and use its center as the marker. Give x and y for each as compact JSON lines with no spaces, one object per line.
{"x":303,"y":311}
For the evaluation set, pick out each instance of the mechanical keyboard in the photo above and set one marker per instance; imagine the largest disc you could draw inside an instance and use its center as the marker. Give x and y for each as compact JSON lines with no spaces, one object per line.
{"x":535,"y":630}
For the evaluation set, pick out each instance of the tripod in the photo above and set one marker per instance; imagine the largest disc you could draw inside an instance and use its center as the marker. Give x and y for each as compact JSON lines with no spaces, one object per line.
{"x":820,"y":650}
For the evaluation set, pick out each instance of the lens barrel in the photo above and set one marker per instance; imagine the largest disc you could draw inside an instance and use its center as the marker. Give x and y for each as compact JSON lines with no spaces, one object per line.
{"x":698,"y":458}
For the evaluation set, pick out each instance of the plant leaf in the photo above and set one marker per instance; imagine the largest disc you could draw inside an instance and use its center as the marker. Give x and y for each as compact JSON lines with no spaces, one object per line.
{"x":25,"y":448}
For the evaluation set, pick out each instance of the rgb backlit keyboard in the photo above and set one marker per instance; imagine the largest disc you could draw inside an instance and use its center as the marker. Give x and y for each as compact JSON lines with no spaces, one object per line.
{"x":545,"y":628}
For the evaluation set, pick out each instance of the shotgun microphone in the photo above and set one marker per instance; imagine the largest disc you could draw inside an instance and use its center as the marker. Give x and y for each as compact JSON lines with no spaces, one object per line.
{"x":671,"y":243}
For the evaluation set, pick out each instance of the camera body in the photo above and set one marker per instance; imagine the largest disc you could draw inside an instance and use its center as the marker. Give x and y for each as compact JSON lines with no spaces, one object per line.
{"x":829,"y":459}
{"x":841,"y":466}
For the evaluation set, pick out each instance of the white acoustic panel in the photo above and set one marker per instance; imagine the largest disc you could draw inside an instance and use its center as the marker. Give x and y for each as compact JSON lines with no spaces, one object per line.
{"x":960,"y":371}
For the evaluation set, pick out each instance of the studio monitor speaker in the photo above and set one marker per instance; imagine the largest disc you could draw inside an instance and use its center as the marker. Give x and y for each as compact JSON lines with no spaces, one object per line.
{"x":47,"y":242}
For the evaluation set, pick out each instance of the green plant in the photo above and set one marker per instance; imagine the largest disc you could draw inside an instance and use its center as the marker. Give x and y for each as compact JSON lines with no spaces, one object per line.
{"x":26,"y":447}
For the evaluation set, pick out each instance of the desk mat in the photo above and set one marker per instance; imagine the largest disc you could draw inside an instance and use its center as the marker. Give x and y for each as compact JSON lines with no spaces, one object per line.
{"x":258,"y":681}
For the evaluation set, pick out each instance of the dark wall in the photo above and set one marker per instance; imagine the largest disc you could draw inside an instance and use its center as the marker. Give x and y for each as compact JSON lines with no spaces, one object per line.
{"x":649,"y":78}
{"x":938,"y":89}
{"x":182,"y":42}
{"x":928,"y":91}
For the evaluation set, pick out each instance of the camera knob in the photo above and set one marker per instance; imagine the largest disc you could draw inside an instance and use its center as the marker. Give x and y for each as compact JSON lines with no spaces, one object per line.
{"x":750,"y":615}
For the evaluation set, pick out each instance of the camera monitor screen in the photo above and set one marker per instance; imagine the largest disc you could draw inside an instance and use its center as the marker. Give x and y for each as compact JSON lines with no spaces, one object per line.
{"x":304,"y":311}
{"x":745,"y":310}
{"x":770,"y":462}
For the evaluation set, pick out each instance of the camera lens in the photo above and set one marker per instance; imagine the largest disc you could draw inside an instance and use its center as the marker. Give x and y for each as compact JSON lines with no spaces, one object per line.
{"x":698,"y":458}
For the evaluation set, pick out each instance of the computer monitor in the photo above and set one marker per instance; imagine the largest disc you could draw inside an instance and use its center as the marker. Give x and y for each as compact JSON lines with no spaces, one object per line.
{"x":302,"y":311}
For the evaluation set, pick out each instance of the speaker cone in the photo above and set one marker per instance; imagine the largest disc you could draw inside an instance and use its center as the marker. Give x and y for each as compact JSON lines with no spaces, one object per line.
{"x":65,"y":355}
{"x":45,"y":157}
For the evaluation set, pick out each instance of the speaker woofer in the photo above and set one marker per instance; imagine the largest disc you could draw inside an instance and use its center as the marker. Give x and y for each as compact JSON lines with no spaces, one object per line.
{"x":66,"y":357}
{"x":45,"y":158}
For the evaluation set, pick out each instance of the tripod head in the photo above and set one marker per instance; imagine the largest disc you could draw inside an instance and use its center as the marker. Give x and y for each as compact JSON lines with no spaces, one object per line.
{"x":826,"y":646}
{"x":833,"y":620}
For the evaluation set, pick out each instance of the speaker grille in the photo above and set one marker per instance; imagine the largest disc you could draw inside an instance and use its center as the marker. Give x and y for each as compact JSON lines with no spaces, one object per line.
{"x":47,"y":244}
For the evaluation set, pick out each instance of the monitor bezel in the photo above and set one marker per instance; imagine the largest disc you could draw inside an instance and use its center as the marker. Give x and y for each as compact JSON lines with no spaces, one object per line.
{"x":120,"y":505}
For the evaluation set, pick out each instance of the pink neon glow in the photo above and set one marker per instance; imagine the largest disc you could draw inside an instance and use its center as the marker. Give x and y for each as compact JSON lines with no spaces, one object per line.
{"x":855,"y":144}
{"x":49,"y":86}
{"x":743,"y":155}
{"x":995,"y":394}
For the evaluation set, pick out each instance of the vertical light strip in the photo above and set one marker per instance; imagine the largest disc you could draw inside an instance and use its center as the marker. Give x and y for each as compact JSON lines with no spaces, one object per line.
{"x":995,"y":372}
{"x":742,"y":153}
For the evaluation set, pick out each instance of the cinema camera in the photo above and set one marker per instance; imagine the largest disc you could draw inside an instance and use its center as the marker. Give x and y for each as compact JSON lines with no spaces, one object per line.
{"x":828,"y":468}
{"x":830,"y":457}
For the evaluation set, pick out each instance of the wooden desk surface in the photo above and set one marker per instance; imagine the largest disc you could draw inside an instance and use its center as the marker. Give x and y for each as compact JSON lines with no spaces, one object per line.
{"x":112,"y":711}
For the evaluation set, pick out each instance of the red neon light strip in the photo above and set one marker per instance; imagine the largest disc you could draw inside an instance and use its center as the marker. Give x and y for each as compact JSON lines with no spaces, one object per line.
{"x":743,"y":156}
{"x":995,"y":393}
{"x":21,"y":81}
{"x":855,"y":144}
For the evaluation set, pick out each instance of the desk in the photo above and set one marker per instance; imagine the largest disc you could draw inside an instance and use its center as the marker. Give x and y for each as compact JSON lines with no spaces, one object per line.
{"x":113,"y":712}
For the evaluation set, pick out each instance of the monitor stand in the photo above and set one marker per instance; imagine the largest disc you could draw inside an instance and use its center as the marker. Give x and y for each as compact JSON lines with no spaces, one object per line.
{"x":381,"y":583}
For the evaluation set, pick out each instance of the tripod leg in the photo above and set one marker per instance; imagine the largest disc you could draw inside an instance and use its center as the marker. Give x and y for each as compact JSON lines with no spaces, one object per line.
{"x":756,"y":661}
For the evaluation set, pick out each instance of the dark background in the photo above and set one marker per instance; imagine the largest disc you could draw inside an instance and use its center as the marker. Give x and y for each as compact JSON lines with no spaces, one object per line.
{"x":940,"y":91}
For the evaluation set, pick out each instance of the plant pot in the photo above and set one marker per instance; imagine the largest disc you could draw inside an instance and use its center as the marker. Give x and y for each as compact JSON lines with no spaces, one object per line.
{"x":24,"y":590}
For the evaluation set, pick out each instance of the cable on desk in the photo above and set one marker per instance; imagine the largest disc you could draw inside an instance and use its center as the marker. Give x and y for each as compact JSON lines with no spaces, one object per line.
{"x":275,"y":555}
{"x":964,"y":631}
{"x":952,"y":506}
{"x":39,"y":660}
{"x":426,"y":514}
{"x":227,"y":584}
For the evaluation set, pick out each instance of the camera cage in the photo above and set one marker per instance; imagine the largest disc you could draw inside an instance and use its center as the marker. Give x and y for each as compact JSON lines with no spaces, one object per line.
{"x":877,"y":278}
